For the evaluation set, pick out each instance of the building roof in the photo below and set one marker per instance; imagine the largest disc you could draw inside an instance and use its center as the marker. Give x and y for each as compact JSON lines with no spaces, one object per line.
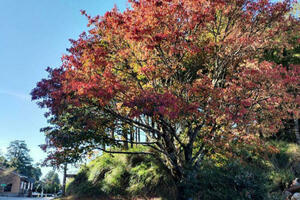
{"x":12,"y":171}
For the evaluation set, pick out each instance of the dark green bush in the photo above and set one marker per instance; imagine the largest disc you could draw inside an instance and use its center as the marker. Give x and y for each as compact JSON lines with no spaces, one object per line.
{"x":232,"y":180}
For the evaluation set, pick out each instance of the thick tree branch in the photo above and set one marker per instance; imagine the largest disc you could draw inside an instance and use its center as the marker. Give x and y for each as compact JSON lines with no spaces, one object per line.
{"x":124,"y":152}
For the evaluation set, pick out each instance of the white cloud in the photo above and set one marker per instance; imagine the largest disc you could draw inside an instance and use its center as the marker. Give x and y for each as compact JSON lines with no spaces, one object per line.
{"x":3,"y":147}
{"x":21,"y":96}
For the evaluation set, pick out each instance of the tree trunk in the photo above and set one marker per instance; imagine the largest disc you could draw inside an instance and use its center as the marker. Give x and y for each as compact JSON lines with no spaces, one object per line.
{"x":104,"y":146}
{"x":182,"y":193}
{"x":147,"y":134}
{"x":139,"y":135}
{"x":125,"y":136}
{"x":136,"y":135}
{"x":296,"y":129}
{"x":131,"y":137}
{"x":64,"y":180}
{"x":184,"y":188}
{"x":185,"y":178}
{"x":112,"y":133}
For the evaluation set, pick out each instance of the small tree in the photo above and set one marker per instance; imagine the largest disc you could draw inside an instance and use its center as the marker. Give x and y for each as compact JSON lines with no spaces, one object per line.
{"x":35,"y":172}
{"x":58,"y":156}
{"x":51,"y":182}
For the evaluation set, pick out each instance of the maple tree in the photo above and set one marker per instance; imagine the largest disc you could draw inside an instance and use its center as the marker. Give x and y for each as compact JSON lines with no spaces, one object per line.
{"x":190,"y":74}
{"x":288,"y":57}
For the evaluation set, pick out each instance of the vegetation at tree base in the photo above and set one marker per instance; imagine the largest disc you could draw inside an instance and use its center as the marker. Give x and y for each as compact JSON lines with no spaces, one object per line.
{"x":194,"y":81}
{"x":219,"y":177}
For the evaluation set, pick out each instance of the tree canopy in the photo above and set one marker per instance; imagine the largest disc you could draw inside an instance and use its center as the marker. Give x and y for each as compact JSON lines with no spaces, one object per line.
{"x":191,"y":75}
{"x":18,"y":155}
{"x":18,"y":158}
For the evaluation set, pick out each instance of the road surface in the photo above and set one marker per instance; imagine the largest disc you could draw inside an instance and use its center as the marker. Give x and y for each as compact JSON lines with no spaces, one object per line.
{"x":24,"y":198}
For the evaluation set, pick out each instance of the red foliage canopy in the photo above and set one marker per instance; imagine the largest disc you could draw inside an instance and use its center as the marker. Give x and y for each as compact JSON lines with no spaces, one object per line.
{"x":195,"y":68}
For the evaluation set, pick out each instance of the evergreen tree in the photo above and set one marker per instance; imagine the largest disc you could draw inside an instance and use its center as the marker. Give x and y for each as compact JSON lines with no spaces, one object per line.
{"x":18,"y":157}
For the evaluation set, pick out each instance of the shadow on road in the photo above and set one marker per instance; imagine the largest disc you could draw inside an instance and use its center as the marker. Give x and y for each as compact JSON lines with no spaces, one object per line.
{"x":24,"y":198}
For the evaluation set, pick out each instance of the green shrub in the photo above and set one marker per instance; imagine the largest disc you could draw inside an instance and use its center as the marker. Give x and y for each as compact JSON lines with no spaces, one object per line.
{"x":232,"y":180}
{"x":82,"y":187}
{"x":253,"y":176}
{"x":149,"y":178}
{"x":115,"y":181}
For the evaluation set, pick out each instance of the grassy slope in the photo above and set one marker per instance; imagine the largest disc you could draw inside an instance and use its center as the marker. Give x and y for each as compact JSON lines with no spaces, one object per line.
{"x":143,"y":177}
{"x":122,"y":175}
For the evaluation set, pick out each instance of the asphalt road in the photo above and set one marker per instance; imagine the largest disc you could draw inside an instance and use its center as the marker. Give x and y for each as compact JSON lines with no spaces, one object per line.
{"x":24,"y":198}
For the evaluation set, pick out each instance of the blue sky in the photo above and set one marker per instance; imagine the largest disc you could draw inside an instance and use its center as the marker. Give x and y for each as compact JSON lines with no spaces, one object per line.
{"x":33,"y":35}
